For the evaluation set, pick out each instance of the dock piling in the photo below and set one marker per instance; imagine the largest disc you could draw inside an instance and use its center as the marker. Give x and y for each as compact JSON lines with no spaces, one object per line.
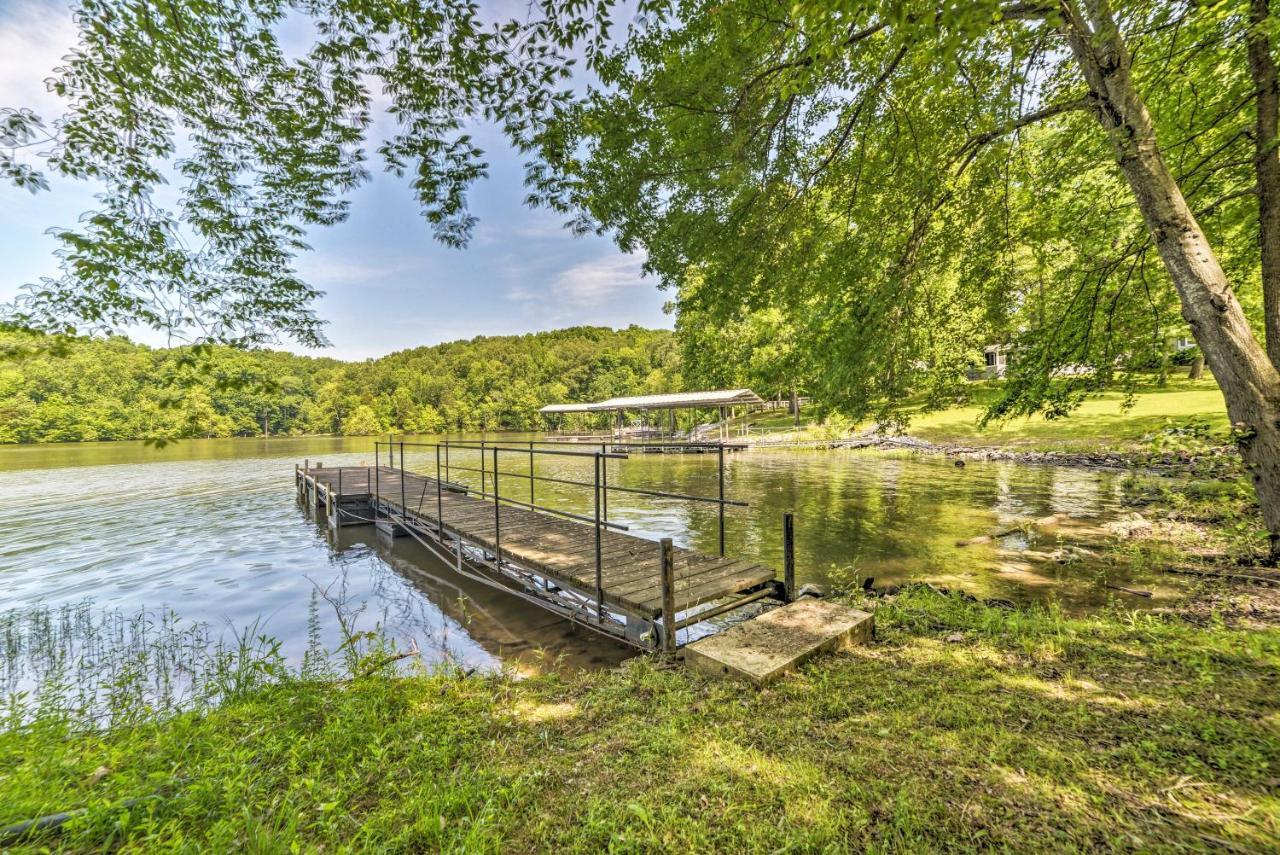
{"x":789,"y":557}
{"x":668,"y":596}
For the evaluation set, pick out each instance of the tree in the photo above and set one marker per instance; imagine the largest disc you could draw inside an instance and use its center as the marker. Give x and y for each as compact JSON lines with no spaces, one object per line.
{"x":270,"y":142}
{"x":875,"y":168}
{"x":363,"y":422}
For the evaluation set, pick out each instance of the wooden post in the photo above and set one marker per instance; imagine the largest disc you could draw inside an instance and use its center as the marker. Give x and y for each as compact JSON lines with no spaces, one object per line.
{"x":668,"y":596}
{"x":789,"y":557}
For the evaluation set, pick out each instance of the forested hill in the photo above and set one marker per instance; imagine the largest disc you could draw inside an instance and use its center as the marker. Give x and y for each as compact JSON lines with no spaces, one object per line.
{"x":95,"y":389}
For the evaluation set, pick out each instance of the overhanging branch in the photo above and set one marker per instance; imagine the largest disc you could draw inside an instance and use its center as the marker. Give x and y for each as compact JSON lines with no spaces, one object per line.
{"x":967,"y":152}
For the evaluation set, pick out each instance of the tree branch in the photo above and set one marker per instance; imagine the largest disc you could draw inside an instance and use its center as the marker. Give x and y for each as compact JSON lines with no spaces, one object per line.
{"x":971,"y":146}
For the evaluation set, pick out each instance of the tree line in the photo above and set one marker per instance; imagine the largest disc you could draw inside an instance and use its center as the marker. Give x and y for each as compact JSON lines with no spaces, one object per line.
{"x":86,"y":389}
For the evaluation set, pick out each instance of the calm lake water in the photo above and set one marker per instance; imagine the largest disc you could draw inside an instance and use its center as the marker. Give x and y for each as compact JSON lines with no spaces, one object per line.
{"x":211,"y":529}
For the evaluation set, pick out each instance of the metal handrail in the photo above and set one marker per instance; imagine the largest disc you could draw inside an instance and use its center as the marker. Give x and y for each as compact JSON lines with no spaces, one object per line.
{"x":521,"y":450}
{"x":602,"y":478}
{"x":600,"y":491}
{"x":662,"y":494}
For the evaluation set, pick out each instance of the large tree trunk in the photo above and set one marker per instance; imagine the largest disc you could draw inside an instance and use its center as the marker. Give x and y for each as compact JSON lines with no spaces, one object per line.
{"x":1250,"y":382}
{"x":1262,"y":68}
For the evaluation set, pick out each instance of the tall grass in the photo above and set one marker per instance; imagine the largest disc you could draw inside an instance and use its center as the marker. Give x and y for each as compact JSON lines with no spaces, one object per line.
{"x":85,"y":667}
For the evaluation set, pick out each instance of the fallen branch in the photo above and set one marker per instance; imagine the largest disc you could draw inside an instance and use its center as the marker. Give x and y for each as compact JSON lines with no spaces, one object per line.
{"x":388,"y":660}
{"x":1136,"y":593}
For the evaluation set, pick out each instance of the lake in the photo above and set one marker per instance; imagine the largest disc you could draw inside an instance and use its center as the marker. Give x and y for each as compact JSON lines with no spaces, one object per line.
{"x":212,"y":529}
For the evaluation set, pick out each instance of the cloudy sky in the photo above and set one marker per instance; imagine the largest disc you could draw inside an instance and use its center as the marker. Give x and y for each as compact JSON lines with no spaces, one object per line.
{"x":388,"y":284}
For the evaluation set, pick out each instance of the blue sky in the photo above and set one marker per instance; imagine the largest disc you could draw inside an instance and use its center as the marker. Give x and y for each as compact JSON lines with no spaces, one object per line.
{"x":388,"y":284}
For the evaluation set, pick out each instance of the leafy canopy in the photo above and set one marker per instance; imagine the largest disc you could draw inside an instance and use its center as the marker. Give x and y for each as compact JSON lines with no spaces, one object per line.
{"x":907,"y":181}
{"x":216,"y":148}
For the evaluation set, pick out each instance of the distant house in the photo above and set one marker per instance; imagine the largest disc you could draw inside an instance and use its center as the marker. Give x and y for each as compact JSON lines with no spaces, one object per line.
{"x":995,"y":359}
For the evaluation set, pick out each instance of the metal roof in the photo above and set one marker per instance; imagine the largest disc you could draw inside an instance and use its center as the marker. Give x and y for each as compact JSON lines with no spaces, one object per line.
{"x":566,"y":408}
{"x":674,"y":400}
{"x":678,"y":400}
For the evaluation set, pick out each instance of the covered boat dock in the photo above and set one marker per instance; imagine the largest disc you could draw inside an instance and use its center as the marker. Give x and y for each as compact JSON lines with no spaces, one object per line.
{"x":724,"y":402}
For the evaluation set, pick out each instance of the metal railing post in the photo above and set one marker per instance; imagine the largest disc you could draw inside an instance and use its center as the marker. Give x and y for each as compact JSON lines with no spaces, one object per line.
{"x":497,"y":518}
{"x":789,"y":557}
{"x":531,"y":480}
{"x":720,"y":454}
{"x":599,"y":551}
{"x":377,"y":479}
{"x":404,"y":504}
{"x":446,"y":460}
{"x":482,"y":449}
{"x":604,"y":484}
{"x":668,"y":596}
{"x":439,"y":499}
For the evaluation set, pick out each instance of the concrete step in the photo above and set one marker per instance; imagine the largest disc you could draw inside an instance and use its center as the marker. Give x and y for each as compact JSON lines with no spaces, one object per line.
{"x":766,"y":647}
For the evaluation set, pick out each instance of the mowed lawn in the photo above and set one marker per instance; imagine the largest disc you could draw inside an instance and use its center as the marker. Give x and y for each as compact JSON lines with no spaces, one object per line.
{"x":1111,"y":419}
{"x":1108,"y":421}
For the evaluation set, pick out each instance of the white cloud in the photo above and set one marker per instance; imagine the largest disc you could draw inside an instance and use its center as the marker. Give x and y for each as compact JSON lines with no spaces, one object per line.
{"x":325,"y":269}
{"x":34,"y":37}
{"x":593,"y":283}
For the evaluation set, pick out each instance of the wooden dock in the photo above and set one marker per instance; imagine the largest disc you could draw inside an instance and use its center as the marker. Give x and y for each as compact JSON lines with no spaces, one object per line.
{"x":639,"y":591}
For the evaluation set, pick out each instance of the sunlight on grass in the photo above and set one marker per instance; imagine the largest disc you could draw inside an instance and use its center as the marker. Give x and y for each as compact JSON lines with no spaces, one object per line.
{"x":1101,"y":419}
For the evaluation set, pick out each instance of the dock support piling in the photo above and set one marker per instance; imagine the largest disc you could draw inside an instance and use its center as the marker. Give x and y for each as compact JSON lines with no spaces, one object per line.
{"x":788,"y":557}
{"x":668,"y":597}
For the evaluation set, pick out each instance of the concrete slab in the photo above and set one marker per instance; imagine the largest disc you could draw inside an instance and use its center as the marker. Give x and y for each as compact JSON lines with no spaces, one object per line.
{"x":766,"y":647}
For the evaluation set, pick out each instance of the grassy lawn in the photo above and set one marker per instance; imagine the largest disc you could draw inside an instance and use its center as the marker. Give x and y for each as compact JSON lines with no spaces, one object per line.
{"x":1103,"y":420}
{"x":1109,"y":421}
{"x":963,"y":727}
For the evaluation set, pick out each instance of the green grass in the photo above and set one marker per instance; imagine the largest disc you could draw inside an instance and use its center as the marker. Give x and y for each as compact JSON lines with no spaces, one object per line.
{"x":1108,"y":421}
{"x":963,"y":727}
{"x":1101,"y":421}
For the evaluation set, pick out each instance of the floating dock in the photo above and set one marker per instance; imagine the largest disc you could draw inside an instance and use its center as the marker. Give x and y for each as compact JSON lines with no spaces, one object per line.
{"x":583,"y":567}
